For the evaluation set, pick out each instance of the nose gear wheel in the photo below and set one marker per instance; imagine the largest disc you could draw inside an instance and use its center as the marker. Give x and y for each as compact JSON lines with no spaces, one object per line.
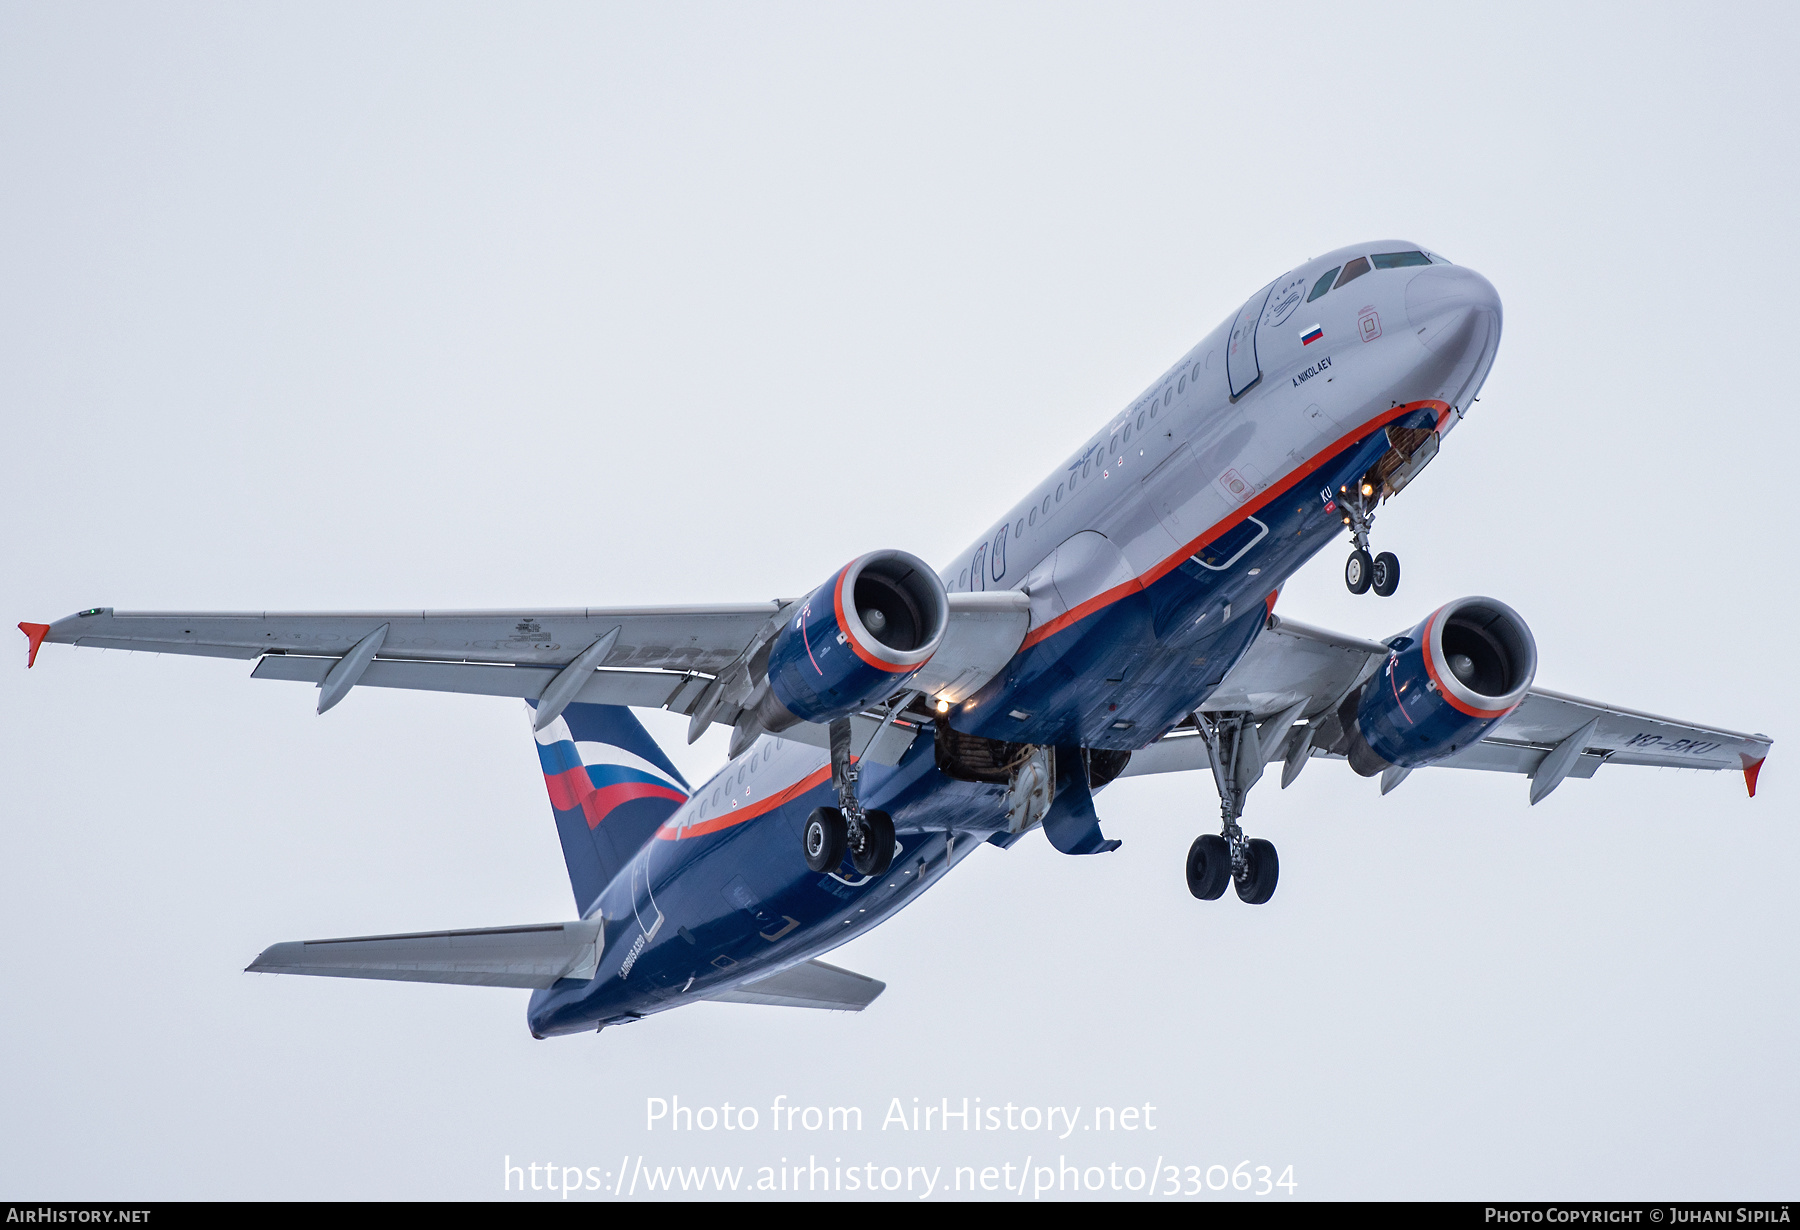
{"x":1363,"y":571}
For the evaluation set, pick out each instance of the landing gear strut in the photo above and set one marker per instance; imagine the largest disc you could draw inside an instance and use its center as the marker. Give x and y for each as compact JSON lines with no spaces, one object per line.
{"x":830,"y":831}
{"x":1363,"y":571}
{"x":1248,"y":862}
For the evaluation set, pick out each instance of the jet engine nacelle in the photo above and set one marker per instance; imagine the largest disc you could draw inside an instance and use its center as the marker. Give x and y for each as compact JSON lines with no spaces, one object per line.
{"x":1443,"y":686}
{"x":856,"y":639}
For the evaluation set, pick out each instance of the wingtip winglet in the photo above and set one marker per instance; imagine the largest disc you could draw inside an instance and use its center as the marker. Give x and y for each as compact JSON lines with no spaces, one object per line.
{"x":1751,"y":769}
{"x":34,"y":634}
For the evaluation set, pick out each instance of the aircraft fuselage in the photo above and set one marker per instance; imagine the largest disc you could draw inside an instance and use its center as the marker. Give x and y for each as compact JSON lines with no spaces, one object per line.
{"x":1151,"y":557}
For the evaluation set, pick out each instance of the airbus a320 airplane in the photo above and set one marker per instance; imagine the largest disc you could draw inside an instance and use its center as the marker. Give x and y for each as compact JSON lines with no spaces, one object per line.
{"x":1119,"y":620}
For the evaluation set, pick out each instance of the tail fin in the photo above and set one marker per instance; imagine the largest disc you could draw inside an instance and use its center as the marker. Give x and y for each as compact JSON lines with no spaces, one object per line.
{"x":610,"y":786}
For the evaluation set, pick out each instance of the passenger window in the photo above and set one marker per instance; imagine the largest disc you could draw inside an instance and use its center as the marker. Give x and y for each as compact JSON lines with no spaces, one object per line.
{"x":1059,"y":491}
{"x":1323,"y":284}
{"x":1167,"y":394}
{"x":1399,"y":260}
{"x":1033,"y":517}
{"x":1181,"y":385}
{"x":1021,"y":528}
{"x":962,"y":582}
{"x":1141,"y":420}
{"x":1046,"y":505}
{"x":1127,"y":436}
{"x":1354,"y":270}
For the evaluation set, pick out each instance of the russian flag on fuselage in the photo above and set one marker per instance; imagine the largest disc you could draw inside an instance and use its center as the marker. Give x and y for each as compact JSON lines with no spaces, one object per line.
{"x":611,"y":788}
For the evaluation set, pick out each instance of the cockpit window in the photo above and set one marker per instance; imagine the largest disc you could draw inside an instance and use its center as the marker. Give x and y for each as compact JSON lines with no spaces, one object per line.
{"x":1354,"y":270}
{"x":1397,"y":260}
{"x":1323,"y":284}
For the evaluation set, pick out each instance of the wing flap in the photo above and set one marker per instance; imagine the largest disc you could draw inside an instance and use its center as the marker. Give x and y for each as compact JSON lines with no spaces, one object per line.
{"x":1501,"y":756}
{"x":811,"y":984}
{"x":643,"y":689}
{"x":528,"y":956}
{"x":696,"y":638}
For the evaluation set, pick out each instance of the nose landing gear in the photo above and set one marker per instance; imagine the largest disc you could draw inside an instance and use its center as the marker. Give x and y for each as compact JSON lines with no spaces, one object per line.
{"x":1362,"y":571}
{"x":1249,"y":863}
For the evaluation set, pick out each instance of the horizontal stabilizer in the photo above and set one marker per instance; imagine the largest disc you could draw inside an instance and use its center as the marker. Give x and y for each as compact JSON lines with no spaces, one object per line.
{"x":811,"y":984}
{"x":531,"y":956}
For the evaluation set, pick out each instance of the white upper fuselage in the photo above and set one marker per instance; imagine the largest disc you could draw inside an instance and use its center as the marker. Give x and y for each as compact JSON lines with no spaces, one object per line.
{"x":1393,"y":336}
{"x":1433,"y":339}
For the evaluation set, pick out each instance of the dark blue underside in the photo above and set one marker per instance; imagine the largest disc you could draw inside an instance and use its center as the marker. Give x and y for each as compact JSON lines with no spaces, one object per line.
{"x":1142,"y":660}
{"x":1126,"y":674}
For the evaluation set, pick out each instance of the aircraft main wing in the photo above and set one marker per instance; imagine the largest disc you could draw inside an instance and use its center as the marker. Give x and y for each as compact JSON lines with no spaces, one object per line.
{"x":692,"y":660}
{"x":672,"y":638}
{"x":1303,"y":673}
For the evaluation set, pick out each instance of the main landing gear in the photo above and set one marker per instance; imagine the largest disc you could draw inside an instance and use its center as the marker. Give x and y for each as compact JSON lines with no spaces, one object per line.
{"x":830,"y":831}
{"x":1362,"y":571}
{"x":1216,"y":859}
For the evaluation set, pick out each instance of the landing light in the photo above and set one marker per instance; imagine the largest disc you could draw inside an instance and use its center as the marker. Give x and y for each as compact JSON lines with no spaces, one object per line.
{"x":943,"y":706}
{"x":1367,"y":491}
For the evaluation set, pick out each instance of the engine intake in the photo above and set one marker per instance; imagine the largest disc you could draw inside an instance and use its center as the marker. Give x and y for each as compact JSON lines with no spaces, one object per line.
{"x":1444,"y":685}
{"x":856,"y":639}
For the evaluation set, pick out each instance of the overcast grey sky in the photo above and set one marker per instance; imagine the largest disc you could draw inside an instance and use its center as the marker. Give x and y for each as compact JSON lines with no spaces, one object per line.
{"x":348,"y":306}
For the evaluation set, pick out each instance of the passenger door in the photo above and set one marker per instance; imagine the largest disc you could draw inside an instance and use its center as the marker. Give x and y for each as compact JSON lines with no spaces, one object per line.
{"x":1241,"y":368}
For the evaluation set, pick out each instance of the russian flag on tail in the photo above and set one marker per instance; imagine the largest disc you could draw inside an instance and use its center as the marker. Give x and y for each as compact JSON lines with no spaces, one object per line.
{"x":598,"y":774}
{"x":611,"y":788}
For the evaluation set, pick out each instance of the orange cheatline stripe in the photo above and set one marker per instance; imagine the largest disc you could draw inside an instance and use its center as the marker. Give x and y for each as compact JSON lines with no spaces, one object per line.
{"x":1082,"y":611}
{"x":749,"y":811}
{"x":1180,"y":557}
{"x":1268,"y":497}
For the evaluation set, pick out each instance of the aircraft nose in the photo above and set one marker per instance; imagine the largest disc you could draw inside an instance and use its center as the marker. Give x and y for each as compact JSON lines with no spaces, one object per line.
{"x":1448,"y":306}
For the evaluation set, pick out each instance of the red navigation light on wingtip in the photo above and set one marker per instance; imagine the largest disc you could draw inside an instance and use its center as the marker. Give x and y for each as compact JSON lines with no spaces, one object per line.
{"x":35,"y":634}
